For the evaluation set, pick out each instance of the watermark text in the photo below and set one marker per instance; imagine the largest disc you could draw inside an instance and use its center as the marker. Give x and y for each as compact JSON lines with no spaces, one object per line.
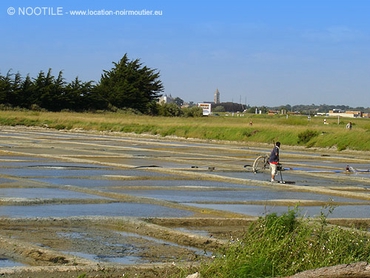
{"x":60,"y":11}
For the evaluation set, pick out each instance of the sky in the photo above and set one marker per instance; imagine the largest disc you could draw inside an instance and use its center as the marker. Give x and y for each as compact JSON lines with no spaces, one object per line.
{"x":255,"y":52}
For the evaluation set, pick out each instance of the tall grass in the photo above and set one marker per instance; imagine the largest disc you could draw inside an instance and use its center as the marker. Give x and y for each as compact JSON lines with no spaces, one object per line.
{"x":279,"y":246}
{"x":265,"y":129}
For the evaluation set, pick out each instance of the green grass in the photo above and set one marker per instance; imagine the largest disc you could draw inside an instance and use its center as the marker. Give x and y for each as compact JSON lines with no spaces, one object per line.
{"x":279,"y":246}
{"x":265,"y":128}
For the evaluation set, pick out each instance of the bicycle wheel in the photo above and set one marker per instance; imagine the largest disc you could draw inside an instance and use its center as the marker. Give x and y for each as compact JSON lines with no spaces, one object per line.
{"x":260,"y":164}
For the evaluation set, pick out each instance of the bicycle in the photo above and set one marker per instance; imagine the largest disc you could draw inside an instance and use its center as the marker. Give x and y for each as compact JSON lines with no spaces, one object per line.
{"x":260,"y":164}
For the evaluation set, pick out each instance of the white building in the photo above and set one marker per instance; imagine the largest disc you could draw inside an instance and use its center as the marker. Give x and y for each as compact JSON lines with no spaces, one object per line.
{"x":207,"y":108}
{"x":346,"y":114}
{"x":166,"y":99}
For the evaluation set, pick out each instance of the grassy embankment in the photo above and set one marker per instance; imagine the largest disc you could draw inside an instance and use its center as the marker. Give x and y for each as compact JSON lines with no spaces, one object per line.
{"x":292,"y":130}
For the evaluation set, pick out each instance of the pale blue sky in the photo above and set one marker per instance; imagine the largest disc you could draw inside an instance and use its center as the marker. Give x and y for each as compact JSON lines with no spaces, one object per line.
{"x":259,"y":52}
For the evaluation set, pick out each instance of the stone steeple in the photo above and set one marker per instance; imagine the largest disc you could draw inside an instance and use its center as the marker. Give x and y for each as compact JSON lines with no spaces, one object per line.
{"x":217,"y":97}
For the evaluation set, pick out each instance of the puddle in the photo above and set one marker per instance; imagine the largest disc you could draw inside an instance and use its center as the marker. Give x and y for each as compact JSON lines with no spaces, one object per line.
{"x":195,"y":232}
{"x":109,"y":252}
{"x":112,"y":209}
{"x":71,"y":235}
{"x":81,"y":182}
{"x":121,"y":178}
{"x":353,"y":211}
{"x":108,"y":259}
{"x":5,"y":262}
{"x":197,"y":251}
{"x":224,"y":195}
{"x":189,"y":184}
{"x":300,"y":180}
{"x":127,"y":248}
{"x":69,"y":166}
{"x":45,"y":193}
{"x":3,"y":180}
{"x":144,"y":162}
{"x":40,"y":172}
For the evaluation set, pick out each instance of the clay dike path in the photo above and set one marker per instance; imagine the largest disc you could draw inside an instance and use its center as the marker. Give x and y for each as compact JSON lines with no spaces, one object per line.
{"x":104,"y":204}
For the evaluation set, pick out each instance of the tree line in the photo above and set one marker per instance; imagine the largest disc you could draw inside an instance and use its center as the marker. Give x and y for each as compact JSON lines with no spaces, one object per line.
{"x":127,"y":85}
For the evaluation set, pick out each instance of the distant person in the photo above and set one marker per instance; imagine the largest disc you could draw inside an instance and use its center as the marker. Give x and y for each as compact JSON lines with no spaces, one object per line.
{"x":274,"y":160}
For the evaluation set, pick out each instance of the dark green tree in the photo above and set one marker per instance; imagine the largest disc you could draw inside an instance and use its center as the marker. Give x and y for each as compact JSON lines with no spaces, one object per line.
{"x":77,"y":95}
{"x":15,"y":93}
{"x":58,"y":100}
{"x":27,"y":91}
{"x":129,"y":84}
{"x":53,"y":93}
{"x":49,"y":92}
{"x":5,"y":88}
{"x":219,"y":108}
{"x":41,"y":92}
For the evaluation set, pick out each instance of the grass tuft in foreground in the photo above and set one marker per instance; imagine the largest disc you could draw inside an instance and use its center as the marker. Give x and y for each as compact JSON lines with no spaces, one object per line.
{"x":278,"y":246}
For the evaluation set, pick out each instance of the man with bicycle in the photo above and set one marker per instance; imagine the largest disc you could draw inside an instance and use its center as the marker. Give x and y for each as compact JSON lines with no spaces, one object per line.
{"x":274,"y":160}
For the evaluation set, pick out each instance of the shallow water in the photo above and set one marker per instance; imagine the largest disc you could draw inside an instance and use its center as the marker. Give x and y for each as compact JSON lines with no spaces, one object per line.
{"x":112,"y":209}
{"x":5,"y":262}
{"x":46,"y":164}
{"x":107,"y":259}
{"x":207,"y":195}
{"x":343,"y":211}
{"x":44,"y":193}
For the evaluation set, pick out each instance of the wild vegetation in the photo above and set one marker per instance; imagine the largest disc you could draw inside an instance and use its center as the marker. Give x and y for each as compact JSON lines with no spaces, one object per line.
{"x":294,"y":130}
{"x":279,"y":246}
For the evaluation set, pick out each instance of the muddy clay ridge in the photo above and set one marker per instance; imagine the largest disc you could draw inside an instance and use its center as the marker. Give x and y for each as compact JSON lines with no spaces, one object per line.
{"x":52,"y":182}
{"x":59,"y":245}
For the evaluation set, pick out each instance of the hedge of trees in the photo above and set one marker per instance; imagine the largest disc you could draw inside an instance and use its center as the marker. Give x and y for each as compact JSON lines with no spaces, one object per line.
{"x":128,"y":85}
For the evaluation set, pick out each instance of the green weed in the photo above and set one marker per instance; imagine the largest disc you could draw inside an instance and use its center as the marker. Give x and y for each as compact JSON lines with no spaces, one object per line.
{"x":306,"y":136}
{"x":279,"y":246}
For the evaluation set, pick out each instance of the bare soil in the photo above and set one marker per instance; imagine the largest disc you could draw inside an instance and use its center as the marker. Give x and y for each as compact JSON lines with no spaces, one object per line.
{"x":53,"y":247}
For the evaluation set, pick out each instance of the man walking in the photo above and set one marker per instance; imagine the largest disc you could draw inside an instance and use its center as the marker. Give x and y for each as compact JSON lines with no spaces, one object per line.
{"x":274,"y":160}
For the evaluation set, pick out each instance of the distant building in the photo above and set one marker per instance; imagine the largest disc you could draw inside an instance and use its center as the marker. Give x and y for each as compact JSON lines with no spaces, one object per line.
{"x":207,"y":108}
{"x":346,"y":114}
{"x":216,"y":99}
{"x":166,"y":99}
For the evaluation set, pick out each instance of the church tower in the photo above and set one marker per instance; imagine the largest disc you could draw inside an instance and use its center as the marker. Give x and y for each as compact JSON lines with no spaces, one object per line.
{"x":217,"y":97}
